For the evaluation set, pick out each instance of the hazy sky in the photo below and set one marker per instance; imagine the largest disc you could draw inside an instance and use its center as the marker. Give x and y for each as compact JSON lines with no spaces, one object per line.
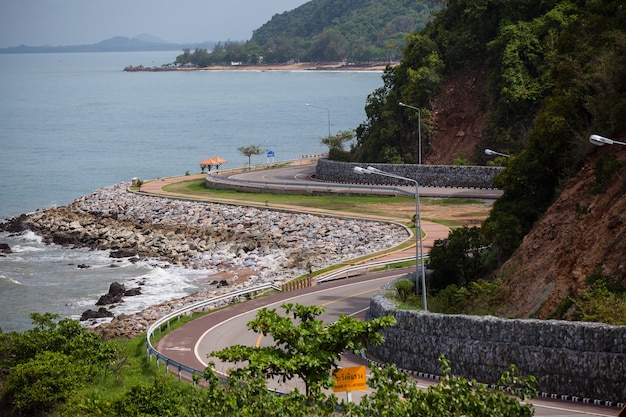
{"x":75,"y":22}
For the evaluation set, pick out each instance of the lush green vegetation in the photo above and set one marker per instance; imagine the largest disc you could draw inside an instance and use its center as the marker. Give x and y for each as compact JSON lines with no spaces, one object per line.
{"x":61,"y":369}
{"x":337,"y":30}
{"x":555,"y":72}
{"x":604,"y":301}
{"x":480,"y":297}
{"x":354,"y":31}
{"x":304,"y":346}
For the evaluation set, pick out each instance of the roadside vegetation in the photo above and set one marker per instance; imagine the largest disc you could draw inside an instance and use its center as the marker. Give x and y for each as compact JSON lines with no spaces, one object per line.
{"x":541,"y":99}
{"x":61,"y":369}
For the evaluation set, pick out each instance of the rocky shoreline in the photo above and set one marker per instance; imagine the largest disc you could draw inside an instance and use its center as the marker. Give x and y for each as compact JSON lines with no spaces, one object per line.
{"x":246,"y":245}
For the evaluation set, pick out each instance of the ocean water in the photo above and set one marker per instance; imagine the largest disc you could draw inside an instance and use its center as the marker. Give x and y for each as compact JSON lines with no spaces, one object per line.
{"x":71,"y":123}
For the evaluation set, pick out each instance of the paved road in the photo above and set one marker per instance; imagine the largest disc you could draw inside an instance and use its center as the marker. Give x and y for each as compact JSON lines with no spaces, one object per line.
{"x":191,"y":343}
{"x":301,"y":177}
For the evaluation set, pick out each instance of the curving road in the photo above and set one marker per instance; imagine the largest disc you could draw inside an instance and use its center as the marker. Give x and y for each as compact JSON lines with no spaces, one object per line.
{"x":301,"y":177}
{"x":191,"y":343}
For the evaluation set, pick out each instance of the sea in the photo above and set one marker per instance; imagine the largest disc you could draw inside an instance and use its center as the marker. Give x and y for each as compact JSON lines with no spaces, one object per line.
{"x":71,"y":123}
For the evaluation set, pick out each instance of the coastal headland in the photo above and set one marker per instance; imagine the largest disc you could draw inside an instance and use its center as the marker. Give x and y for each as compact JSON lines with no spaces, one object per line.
{"x":302,"y":66}
{"x":238,"y":246}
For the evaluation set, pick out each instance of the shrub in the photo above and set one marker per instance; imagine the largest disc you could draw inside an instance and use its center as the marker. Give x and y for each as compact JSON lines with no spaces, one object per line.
{"x":405,"y":288}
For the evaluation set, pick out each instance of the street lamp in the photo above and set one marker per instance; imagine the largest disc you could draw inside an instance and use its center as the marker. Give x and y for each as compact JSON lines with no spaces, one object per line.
{"x":419,"y":130}
{"x":492,"y":153}
{"x":323,"y":108}
{"x":601,"y":141}
{"x":419,"y":247}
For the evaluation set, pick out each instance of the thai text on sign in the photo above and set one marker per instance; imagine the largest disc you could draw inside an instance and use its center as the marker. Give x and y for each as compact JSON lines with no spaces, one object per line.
{"x":350,"y":379}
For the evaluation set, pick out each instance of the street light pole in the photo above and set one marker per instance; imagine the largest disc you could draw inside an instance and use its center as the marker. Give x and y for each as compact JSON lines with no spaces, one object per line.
{"x":323,"y":108}
{"x":419,"y":131}
{"x":492,"y":153}
{"x":419,"y":247}
{"x":601,"y":141}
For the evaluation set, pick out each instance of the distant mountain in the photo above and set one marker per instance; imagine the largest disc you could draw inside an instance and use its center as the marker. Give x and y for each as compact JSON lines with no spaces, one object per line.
{"x":143,"y":42}
{"x":326,"y":31}
{"x":337,"y":30}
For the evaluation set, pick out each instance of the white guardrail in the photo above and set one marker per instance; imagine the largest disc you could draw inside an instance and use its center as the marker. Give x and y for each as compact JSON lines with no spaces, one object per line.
{"x":151,"y":351}
{"x":361,"y":269}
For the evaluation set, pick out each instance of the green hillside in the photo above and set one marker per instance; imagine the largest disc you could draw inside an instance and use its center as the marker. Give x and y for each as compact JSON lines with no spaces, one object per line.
{"x":355,"y":31}
{"x":334,"y":30}
{"x":555,"y":73}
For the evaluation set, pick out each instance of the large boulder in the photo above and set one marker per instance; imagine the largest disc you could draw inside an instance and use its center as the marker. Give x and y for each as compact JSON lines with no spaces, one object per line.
{"x":116,"y":291}
{"x":132,"y":292}
{"x":100,"y":314}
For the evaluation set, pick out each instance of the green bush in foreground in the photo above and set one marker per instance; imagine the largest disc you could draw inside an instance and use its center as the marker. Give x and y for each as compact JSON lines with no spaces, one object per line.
{"x":395,"y":394}
{"x":61,"y":369}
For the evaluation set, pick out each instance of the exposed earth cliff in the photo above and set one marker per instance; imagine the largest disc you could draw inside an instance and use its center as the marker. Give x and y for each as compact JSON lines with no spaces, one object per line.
{"x":583,"y":232}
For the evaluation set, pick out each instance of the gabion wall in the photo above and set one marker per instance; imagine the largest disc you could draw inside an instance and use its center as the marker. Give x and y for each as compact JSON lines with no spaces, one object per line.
{"x":425,"y":175}
{"x":584,"y":361}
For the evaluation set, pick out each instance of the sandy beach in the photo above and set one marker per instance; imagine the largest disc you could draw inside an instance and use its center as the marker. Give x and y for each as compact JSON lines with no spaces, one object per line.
{"x":337,"y":66}
{"x":302,"y":66}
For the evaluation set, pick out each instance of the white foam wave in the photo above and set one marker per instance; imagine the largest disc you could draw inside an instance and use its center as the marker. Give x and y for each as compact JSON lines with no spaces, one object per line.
{"x":157,"y":286}
{"x":26,"y":248}
{"x":31,"y":236}
{"x":11,"y":280}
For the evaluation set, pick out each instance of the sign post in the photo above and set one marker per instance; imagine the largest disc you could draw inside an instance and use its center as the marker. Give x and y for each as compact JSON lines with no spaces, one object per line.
{"x":350,"y":379}
{"x":270,"y":157}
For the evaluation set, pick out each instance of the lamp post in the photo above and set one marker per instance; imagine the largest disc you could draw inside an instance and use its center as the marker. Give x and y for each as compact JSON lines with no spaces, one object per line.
{"x":493,"y":153}
{"x":419,"y":247}
{"x":601,"y":141}
{"x":323,"y":108}
{"x":419,"y":131}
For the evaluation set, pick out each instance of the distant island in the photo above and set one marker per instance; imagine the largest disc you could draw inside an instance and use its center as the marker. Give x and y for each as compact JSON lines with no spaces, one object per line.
{"x":115,"y":44}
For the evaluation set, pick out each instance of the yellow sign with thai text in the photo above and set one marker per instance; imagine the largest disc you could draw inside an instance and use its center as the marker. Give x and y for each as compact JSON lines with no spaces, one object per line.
{"x":350,"y":379}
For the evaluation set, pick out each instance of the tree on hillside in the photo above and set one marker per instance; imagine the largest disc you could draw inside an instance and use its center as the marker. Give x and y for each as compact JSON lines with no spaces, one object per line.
{"x":304,"y":346}
{"x":457,"y":259}
{"x":328,"y":46}
{"x":543,"y":96}
{"x":249,"y":151}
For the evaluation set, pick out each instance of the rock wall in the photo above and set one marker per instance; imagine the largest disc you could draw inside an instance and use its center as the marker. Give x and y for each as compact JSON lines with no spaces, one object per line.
{"x":574,"y":359}
{"x":253,"y":245}
{"x":207,"y":235}
{"x":425,"y":175}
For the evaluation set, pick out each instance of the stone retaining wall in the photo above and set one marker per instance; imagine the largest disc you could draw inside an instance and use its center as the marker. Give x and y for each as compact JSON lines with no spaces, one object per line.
{"x":426,"y":175}
{"x":574,"y":359}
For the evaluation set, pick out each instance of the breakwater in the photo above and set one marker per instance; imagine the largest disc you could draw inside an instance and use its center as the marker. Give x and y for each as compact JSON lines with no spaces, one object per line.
{"x":248,"y":245}
{"x":576,"y":360}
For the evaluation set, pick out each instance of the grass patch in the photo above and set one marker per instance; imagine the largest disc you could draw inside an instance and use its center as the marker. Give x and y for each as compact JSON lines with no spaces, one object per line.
{"x":452,"y":201}
{"x":402,"y":208}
